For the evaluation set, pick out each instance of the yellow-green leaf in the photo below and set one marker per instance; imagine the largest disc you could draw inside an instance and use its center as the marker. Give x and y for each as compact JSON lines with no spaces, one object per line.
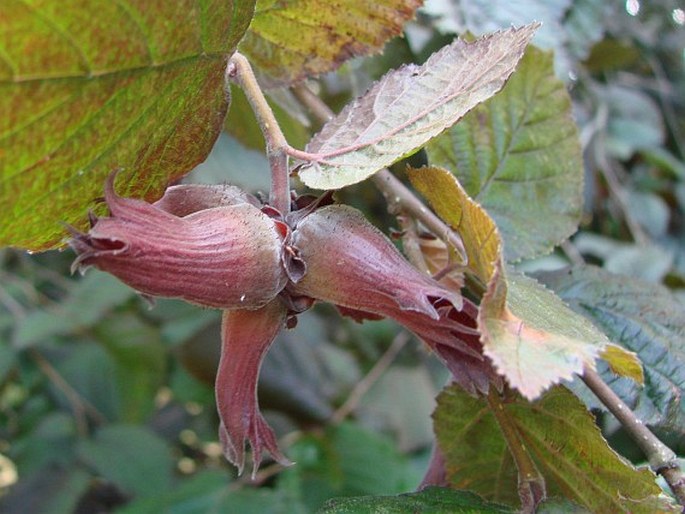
{"x":531,"y":336}
{"x":623,"y":363}
{"x":477,"y":229}
{"x":88,"y":87}
{"x":563,"y":441}
{"x":292,"y":40}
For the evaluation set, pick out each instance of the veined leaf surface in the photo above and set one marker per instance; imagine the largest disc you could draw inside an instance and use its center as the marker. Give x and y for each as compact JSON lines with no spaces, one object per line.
{"x":290,"y":41}
{"x":411,"y":105}
{"x":561,"y":437}
{"x":88,"y":87}
{"x":645,"y":318}
{"x":519,"y":156}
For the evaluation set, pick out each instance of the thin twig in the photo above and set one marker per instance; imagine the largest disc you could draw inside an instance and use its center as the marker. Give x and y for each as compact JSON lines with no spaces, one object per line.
{"x":371,"y":378}
{"x":410,"y":242}
{"x":661,"y":458}
{"x":572,"y":253}
{"x":398,"y":196}
{"x":80,"y":406}
{"x":667,"y":109}
{"x":608,"y":171}
{"x":308,"y":98}
{"x":13,"y":306}
{"x":240,"y":72}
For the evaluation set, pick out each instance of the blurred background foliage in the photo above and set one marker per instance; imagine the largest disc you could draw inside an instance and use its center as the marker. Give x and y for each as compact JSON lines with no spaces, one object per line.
{"x":106,"y":402}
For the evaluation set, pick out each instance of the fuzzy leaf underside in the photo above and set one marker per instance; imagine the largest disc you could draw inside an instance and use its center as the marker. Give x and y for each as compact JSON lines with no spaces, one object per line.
{"x":88,"y":88}
{"x":411,"y":105}
{"x":562,"y":439}
{"x":519,"y":156}
{"x":290,"y":41}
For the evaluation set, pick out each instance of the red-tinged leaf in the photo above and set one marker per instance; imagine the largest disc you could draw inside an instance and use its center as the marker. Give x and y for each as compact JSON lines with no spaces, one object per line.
{"x":293,"y":40}
{"x":530,"y":335}
{"x":87,"y":87}
{"x":411,"y":105}
{"x":561,"y":438}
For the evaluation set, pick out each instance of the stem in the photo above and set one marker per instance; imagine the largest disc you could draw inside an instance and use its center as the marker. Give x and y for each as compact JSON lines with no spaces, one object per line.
{"x":371,"y":378}
{"x":608,"y":170}
{"x":240,"y":72}
{"x":661,"y":458}
{"x":79,"y":405}
{"x":531,"y":484}
{"x":399,"y":197}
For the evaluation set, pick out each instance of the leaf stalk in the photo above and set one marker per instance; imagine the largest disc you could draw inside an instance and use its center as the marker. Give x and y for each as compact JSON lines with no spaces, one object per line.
{"x":531,"y":484}
{"x":398,"y":196}
{"x":240,"y":72}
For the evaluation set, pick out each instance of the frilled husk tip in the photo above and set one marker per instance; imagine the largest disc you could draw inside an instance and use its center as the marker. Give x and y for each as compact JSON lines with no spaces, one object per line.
{"x":355,"y":266}
{"x":246,"y":337}
{"x":221,"y":252}
{"x":352,"y":264}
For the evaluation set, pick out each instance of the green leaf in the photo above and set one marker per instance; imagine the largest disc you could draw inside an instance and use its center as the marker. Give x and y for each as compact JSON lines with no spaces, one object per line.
{"x":86,"y":303}
{"x":400,"y":403}
{"x":8,"y":359}
{"x":304,"y":373}
{"x":532,"y":337}
{"x":290,"y":41}
{"x":52,"y":490}
{"x":518,"y":155}
{"x":92,"y":373}
{"x":88,"y":89}
{"x":634,"y":121}
{"x":561,"y":437}
{"x":140,"y":360}
{"x":116,"y":448}
{"x":433,"y":500}
{"x":644,"y":318}
{"x":346,"y":460}
{"x":411,"y":105}
{"x":208,"y":492}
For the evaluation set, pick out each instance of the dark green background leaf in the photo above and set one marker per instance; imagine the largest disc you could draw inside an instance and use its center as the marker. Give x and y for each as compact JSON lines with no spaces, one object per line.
{"x":644,"y":318}
{"x":114,"y":449}
{"x":433,"y":500}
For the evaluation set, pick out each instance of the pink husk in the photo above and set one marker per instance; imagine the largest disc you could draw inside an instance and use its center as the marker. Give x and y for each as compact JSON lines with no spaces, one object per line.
{"x":226,"y":257}
{"x":246,"y":337}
